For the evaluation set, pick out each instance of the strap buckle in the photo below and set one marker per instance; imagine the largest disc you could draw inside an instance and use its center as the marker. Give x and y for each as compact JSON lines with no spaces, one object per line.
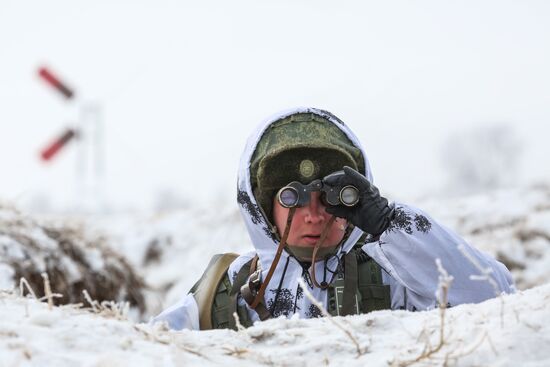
{"x":249,"y":290}
{"x":255,"y":281}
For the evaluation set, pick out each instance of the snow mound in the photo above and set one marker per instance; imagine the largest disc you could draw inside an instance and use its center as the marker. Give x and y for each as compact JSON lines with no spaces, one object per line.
{"x":73,"y":261}
{"x":503,"y":331}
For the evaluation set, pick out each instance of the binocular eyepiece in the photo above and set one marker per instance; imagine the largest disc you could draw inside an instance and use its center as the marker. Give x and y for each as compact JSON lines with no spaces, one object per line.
{"x":296,"y":194}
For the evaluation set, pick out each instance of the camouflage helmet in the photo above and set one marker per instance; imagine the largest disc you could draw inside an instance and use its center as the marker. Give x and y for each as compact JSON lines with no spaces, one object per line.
{"x":300,"y":147}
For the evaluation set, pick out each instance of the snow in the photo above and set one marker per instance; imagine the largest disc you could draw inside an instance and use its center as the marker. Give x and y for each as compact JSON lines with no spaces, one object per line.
{"x":171,"y":249}
{"x":473,"y":335}
{"x":6,"y":276}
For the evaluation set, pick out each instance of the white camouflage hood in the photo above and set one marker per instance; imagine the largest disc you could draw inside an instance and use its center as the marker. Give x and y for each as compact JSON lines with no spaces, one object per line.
{"x":265,"y":243}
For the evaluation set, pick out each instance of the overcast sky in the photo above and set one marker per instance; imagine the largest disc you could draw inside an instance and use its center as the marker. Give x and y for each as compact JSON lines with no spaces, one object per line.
{"x":182,"y":84}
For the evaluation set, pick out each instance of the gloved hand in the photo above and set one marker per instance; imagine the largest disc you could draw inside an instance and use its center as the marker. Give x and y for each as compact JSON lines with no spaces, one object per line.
{"x":372,"y":213}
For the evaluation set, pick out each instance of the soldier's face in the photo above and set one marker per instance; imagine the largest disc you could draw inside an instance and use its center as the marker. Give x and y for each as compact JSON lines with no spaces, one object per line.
{"x":308,"y":223}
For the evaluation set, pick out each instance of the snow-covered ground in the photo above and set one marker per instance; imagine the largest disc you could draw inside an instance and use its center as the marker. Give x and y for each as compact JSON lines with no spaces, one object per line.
{"x":170,"y":251}
{"x":512,"y":331}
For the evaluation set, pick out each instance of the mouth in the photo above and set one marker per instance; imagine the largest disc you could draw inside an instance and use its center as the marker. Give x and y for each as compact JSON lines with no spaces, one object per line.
{"x":311,"y":239}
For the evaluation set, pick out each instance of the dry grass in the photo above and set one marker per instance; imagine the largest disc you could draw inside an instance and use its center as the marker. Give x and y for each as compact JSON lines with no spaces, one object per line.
{"x":445,"y":281}
{"x":117,"y":310}
{"x":486,"y":276}
{"x":447,"y":349}
{"x":73,"y":260}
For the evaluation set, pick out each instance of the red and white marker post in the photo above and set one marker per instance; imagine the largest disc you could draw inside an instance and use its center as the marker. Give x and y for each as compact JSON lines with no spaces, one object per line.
{"x":52,"y":149}
{"x":55,"y":82}
{"x":89,"y":164}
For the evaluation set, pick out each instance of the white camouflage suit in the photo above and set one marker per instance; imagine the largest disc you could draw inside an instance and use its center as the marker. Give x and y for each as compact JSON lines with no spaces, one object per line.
{"x":407,"y":251}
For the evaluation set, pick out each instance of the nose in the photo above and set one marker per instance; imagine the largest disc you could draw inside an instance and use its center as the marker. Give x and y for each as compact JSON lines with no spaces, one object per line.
{"x":315,"y":210}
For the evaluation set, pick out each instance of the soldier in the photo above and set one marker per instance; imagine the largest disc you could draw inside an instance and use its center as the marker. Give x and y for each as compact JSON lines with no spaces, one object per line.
{"x":306,"y":193}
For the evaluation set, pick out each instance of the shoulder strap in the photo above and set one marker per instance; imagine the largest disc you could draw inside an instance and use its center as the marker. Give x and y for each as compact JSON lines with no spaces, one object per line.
{"x":239,"y":281}
{"x":206,"y":289}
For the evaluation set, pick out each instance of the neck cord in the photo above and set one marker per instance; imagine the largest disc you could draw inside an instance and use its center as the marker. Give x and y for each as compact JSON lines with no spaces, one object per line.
{"x":317,"y":246}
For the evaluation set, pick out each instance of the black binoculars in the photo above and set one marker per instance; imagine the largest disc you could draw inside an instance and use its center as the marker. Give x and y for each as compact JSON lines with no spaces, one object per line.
{"x":296,"y":194}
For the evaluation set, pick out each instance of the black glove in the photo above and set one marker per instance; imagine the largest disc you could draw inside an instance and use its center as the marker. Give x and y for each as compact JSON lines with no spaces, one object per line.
{"x":372,"y":213}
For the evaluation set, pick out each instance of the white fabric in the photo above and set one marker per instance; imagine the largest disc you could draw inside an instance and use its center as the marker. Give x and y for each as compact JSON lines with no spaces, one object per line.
{"x":406,"y":251}
{"x":408,"y":257}
{"x":182,"y":315}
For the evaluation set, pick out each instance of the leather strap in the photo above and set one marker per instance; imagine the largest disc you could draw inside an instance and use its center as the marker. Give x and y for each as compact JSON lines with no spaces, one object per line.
{"x":249,"y":290}
{"x":206,"y":291}
{"x":260,"y":295}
